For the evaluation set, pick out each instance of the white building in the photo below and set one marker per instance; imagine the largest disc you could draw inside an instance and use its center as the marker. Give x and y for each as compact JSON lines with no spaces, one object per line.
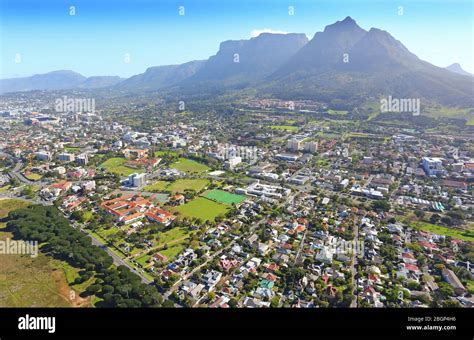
{"x":311,"y":147}
{"x":137,"y":180}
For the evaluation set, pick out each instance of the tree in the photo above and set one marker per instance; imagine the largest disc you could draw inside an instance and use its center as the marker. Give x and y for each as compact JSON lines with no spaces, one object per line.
{"x":420,"y":214}
{"x":381,"y":205}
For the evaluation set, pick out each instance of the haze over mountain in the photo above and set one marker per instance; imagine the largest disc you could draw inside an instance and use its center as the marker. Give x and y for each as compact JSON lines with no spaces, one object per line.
{"x":456,"y":68}
{"x":157,"y":77}
{"x":344,"y":64}
{"x":56,"y":80}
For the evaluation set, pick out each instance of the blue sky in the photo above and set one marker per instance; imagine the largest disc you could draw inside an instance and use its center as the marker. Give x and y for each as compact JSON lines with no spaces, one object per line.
{"x":97,"y":39}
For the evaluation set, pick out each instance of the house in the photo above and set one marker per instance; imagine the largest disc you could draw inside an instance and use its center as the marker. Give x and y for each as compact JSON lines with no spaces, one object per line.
{"x":453,"y":280}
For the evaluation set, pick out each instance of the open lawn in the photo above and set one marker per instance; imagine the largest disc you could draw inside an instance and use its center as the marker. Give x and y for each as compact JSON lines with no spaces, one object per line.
{"x":181,"y":185}
{"x":190,"y":166}
{"x":115,"y":165}
{"x":5,"y":188}
{"x":337,"y":112}
{"x":27,"y":281}
{"x":463,"y":235}
{"x":224,"y":197}
{"x":72,"y":149}
{"x":178,"y":186}
{"x":171,"y":235}
{"x":158,"y":186}
{"x":202,"y":208}
{"x":172,"y":252}
{"x":165,"y":152}
{"x":33,"y":177}
{"x":7,"y":205}
{"x":289,"y":128}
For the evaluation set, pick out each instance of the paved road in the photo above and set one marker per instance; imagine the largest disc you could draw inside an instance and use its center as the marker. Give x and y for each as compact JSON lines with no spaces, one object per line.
{"x":354,"y":302}
{"x":117,"y":259}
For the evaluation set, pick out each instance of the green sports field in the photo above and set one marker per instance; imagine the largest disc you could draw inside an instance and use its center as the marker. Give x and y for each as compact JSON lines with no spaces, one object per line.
{"x":202,"y":208}
{"x":115,"y":165}
{"x":190,"y":166}
{"x":224,"y":197}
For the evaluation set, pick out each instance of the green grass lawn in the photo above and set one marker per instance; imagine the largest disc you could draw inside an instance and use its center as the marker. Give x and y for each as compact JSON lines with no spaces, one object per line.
{"x":224,"y":197}
{"x":443,"y":230}
{"x":158,"y":186}
{"x":164,"y":152}
{"x":143,"y":260}
{"x":33,"y":177}
{"x":190,"y":166}
{"x":72,"y":149}
{"x":181,"y":185}
{"x":172,"y":252}
{"x":337,"y":112}
{"x":115,"y":165}
{"x":289,"y":128}
{"x":5,"y":188}
{"x":171,"y":235}
{"x":7,"y":205}
{"x":202,"y":208}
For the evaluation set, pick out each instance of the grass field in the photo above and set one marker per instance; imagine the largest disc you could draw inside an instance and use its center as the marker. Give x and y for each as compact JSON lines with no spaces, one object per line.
{"x":337,"y":112}
{"x":181,"y":185}
{"x":202,"y":208}
{"x":190,"y":166}
{"x":7,"y":205}
{"x":115,"y":165}
{"x":443,"y":230}
{"x":5,"y":188}
{"x":72,"y":149}
{"x":172,"y":252}
{"x":224,"y":197}
{"x":164,"y":152}
{"x":27,"y":281}
{"x":33,"y":177}
{"x":171,"y":235}
{"x":289,"y":128}
{"x":157,"y":186}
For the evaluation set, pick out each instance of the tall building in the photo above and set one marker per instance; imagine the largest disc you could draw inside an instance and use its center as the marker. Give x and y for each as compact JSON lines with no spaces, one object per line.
{"x":294,"y":144}
{"x":137,"y":180}
{"x":82,"y":159}
{"x":43,"y":155}
{"x":66,"y":157}
{"x":311,"y":147}
{"x":433,"y":166}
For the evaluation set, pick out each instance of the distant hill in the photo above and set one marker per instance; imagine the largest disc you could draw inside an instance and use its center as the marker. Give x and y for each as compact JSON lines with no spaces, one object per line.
{"x":100,"y":81}
{"x":157,"y":77}
{"x":48,"y":81}
{"x":56,"y":80}
{"x":456,"y":68}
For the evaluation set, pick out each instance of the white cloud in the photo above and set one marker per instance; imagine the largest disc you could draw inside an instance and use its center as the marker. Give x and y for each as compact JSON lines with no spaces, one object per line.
{"x":257,"y":32}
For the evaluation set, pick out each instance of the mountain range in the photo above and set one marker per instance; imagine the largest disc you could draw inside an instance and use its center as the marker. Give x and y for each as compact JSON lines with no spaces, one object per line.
{"x":344,"y":63}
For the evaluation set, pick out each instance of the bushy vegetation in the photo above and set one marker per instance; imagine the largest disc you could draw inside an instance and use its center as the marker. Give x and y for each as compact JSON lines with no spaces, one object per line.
{"x":117,"y":286}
